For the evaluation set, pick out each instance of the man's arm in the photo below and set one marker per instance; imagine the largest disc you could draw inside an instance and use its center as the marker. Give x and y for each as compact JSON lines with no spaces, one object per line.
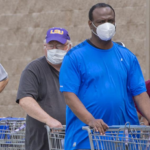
{"x":82,"y":113}
{"x":143,"y":103}
{"x":34,"y":110}
{"x":3,"y":84}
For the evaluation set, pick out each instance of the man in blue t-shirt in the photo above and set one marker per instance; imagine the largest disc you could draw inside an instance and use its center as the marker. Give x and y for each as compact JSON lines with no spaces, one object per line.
{"x":99,"y":78}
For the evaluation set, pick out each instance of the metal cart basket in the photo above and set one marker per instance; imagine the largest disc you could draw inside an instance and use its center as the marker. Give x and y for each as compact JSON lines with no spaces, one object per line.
{"x":12,"y":134}
{"x":127,"y":137}
{"x":56,"y":137}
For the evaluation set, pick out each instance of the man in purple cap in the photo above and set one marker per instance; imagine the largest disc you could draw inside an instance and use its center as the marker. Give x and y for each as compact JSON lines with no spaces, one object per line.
{"x":38,"y":92}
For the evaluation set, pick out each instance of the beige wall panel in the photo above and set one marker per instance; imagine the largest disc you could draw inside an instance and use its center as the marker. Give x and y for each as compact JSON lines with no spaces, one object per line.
{"x":11,"y":110}
{"x":23,"y":26}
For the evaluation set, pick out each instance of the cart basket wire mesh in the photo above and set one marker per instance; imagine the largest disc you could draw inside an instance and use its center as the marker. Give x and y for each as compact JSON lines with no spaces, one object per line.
{"x":12,"y":134}
{"x":125,"y":137}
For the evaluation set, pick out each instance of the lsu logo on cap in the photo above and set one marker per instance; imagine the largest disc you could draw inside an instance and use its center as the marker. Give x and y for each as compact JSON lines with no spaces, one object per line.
{"x":56,"y":31}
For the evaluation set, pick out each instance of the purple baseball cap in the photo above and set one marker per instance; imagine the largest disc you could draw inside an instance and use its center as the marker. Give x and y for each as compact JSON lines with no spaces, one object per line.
{"x":57,"y":34}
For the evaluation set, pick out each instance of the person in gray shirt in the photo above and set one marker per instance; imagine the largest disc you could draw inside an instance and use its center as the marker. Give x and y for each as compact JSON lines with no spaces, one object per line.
{"x":38,"y":92}
{"x":3,"y":78}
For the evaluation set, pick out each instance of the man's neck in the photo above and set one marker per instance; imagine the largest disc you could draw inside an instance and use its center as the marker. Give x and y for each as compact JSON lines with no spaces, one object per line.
{"x":101,"y":44}
{"x":57,"y":67}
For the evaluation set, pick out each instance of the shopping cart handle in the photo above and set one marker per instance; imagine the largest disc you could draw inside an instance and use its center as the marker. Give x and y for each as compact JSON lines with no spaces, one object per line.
{"x":121,"y":127}
{"x":86,"y":127}
{"x":64,"y":127}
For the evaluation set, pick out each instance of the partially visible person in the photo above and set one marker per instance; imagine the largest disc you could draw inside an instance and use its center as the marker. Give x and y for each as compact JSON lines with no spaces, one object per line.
{"x":38,"y":92}
{"x":148,"y":87}
{"x":3,"y":78}
{"x":142,"y":119}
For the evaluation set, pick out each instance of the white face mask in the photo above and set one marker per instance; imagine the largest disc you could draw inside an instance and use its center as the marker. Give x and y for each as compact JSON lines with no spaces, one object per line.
{"x":105,"y":31}
{"x":55,"y":56}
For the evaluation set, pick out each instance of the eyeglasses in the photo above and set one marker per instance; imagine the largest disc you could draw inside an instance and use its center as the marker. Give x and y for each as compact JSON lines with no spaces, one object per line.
{"x":57,"y":46}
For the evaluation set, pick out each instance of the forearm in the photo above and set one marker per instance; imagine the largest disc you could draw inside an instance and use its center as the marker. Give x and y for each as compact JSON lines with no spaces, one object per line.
{"x":33,"y":109}
{"x":77,"y":107}
{"x":3,"y":84}
{"x":143,"y":103}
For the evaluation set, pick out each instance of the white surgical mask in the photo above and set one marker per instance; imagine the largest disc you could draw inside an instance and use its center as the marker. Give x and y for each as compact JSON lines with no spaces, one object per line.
{"x":55,"y":56}
{"x":105,"y":31}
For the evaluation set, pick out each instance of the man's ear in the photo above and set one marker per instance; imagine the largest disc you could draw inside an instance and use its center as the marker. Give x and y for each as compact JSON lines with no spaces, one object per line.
{"x":90,"y":24}
{"x":44,"y":49}
{"x":69,"y":47}
{"x":44,"y":46}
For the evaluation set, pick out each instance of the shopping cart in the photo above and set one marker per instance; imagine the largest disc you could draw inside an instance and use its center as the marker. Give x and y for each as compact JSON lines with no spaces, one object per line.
{"x":56,"y":137}
{"x":12,"y":134}
{"x":127,"y":137}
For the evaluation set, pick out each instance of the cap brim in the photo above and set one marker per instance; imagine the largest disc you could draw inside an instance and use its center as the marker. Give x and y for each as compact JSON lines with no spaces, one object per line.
{"x":61,"y":40}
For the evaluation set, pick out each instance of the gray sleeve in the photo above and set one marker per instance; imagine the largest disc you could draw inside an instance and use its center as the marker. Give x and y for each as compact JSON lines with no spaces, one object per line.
{"x":3,"y":73}
{"x":29,"y":84}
